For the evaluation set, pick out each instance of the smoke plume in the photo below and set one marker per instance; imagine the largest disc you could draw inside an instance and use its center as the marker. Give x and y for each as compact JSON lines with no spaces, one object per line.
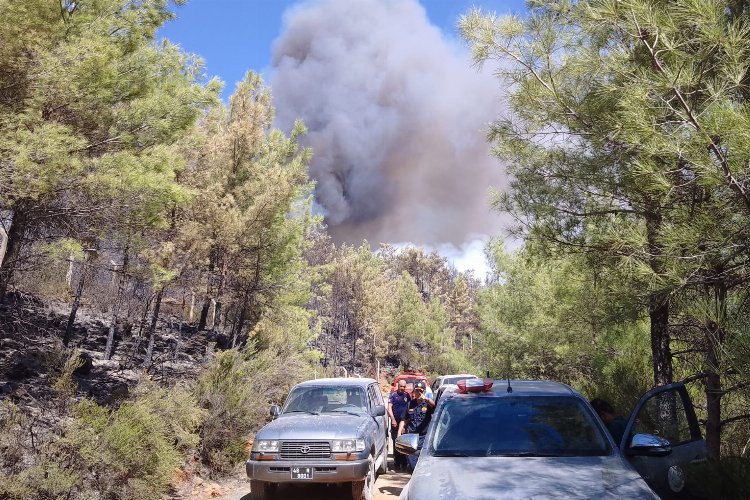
{"x":396,"y":115}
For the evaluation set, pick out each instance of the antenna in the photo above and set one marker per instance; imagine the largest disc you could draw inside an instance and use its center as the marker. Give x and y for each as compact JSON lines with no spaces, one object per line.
{"x":507,"y":372}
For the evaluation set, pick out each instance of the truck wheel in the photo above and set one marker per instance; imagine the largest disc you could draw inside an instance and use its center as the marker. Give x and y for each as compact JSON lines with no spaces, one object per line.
{"x":261,"y":490}
{"x":362,"y":490}
{"x":383,"y":469}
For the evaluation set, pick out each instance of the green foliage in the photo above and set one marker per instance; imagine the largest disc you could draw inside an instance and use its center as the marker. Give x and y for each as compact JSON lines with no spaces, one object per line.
{"x":64,"y":382}
{"x":127,"y":453}
{"x":626,"y":141}
{"x":236,"y":391}
{"x":132,"y":452}
{"x":48,"y":480}
{"x":90,"y":114}
{"x":12,"y":424}
{"x":563,"y":320}
{"x":244,"y":230}
{"x":179,"y":410}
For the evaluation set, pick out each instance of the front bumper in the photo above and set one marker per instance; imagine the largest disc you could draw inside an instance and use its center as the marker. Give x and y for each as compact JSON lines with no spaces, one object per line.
{"x":324,"y":471}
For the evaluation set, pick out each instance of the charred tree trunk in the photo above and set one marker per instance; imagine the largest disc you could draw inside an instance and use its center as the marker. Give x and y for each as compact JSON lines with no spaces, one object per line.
{"x":77,"y":298}
{"x":661,"y":351}
{"x":658,"y":301}
{"x":121,"y":280}
{"x":16,"y":235}
{"x":219,"y":292}
{"x":714,"y":341}
{"x":354,"y":331}
{"x":204,"y":313}
{"x":207,"y":297}
{"x":240,"y":323}
{"x":152,"y":328}
{"x":191,"y":313}
{"x":249,"y":303}
{"x":3,"y":243}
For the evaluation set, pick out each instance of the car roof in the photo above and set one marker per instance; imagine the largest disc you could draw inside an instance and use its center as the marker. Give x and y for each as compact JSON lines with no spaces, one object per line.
{"x":523,"y":388}
{"x":337,"y":382}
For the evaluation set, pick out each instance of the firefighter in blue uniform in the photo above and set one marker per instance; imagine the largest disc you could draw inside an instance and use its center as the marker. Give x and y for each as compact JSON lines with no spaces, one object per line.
{"x":417,"y":418}
{"x":398,"y":404}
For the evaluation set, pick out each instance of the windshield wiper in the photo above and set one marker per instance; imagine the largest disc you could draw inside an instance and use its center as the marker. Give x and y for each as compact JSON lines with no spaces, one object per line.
{"x":303,"y":411}
{"x":524,"y":454}
{"x":452,"y":454}
{"x":344,"y":411}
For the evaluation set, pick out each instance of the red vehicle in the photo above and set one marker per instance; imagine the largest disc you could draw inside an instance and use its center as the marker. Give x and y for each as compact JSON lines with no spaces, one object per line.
{"x":411,"y":378}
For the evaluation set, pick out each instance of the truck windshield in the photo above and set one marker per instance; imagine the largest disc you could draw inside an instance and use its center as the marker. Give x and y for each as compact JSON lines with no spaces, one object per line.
{"x":312,"y":399}
{"x":517,"y":426}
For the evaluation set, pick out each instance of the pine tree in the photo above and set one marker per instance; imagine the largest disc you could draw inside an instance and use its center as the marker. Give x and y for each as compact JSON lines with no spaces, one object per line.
{"x":90,"y":110}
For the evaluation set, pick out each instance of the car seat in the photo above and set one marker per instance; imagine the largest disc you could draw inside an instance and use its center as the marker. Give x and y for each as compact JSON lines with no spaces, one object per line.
{"x":320,"y":403}
{"x":354,"y":399}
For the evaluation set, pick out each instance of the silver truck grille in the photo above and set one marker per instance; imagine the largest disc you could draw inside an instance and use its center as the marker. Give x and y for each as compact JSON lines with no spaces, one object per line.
{"x":305,"y":449}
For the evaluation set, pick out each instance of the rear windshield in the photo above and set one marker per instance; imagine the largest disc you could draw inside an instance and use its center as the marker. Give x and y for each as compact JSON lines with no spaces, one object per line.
{"x":517,"y":426}
{"x":457,"y":379}
{"x":410,"y":381}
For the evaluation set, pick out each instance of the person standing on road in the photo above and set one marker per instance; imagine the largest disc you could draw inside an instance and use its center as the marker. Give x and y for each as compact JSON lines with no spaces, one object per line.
{"x":417,"y":419}
{"x":398,"y":404}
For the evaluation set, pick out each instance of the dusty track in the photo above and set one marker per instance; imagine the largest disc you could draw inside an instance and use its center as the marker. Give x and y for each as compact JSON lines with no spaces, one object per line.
{"x":387,"y":487}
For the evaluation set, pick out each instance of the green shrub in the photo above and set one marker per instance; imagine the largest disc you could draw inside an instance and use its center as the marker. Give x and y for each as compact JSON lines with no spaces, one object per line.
{"x":47,"y":480}
{"x":128,"y":452}
{"x":237,"y":390}
{"x":178,"y":408}
{"x":31,"y":469}
{"x":64,"y":383}
{"x":12,"y":423}
{"x":132,"y":452}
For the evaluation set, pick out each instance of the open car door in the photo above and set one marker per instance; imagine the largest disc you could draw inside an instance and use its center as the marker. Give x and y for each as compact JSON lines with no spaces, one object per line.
{"x":662,"y":439}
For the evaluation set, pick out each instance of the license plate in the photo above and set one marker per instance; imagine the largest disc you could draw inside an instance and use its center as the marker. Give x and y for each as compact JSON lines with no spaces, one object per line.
{"x":302,"y":472}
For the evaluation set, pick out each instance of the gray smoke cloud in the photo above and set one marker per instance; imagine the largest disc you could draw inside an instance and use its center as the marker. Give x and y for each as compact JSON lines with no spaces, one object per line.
{"x":397,"y":118}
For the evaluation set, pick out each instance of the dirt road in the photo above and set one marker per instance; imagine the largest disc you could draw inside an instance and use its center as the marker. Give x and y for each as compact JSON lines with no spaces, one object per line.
{"x":387,"y":487}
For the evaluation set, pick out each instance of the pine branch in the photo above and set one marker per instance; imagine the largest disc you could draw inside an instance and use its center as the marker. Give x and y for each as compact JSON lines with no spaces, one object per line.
{"x":731,"y":180}
{"x":736,"y":418}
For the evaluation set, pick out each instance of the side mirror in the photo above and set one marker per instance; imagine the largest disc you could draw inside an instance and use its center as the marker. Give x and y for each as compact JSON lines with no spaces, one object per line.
{"x":408,"y":444}
{"x":275,"y":411}
{"x":378,"y":411}
{"x":649,"y":445}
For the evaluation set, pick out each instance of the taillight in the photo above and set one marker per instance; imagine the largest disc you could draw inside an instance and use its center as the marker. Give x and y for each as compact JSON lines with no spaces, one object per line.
{"x":474,"y":385}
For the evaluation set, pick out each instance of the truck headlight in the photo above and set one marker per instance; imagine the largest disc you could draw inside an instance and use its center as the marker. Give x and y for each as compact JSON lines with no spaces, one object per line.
{"x":266,"y":446}
{"x":347,"y":445}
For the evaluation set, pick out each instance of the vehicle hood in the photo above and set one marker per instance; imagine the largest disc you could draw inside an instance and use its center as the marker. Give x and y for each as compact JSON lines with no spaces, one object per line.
{"x":525,"y":477}
{"x":305,"y":426}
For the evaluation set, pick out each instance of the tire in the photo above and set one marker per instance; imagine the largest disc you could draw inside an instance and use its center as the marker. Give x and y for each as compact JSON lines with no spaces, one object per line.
{"x":363,"y":490}
{"x":261,"y":490}
{"x":383,"y":469}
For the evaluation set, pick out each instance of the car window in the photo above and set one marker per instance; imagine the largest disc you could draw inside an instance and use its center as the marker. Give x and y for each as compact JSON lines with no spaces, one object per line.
{"x":379,"y":395}
{"x":372,"y":393}
{"x":664,"y":415}
{"x":325,"y":399}
{"x":512,"y":426}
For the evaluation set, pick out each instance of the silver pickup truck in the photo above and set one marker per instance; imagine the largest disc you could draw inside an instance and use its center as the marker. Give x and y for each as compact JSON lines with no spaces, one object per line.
{"x":330,"y":430}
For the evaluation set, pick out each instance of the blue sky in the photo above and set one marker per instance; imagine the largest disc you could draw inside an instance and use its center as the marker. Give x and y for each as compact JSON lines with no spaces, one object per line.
{"x":233,"y":36}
